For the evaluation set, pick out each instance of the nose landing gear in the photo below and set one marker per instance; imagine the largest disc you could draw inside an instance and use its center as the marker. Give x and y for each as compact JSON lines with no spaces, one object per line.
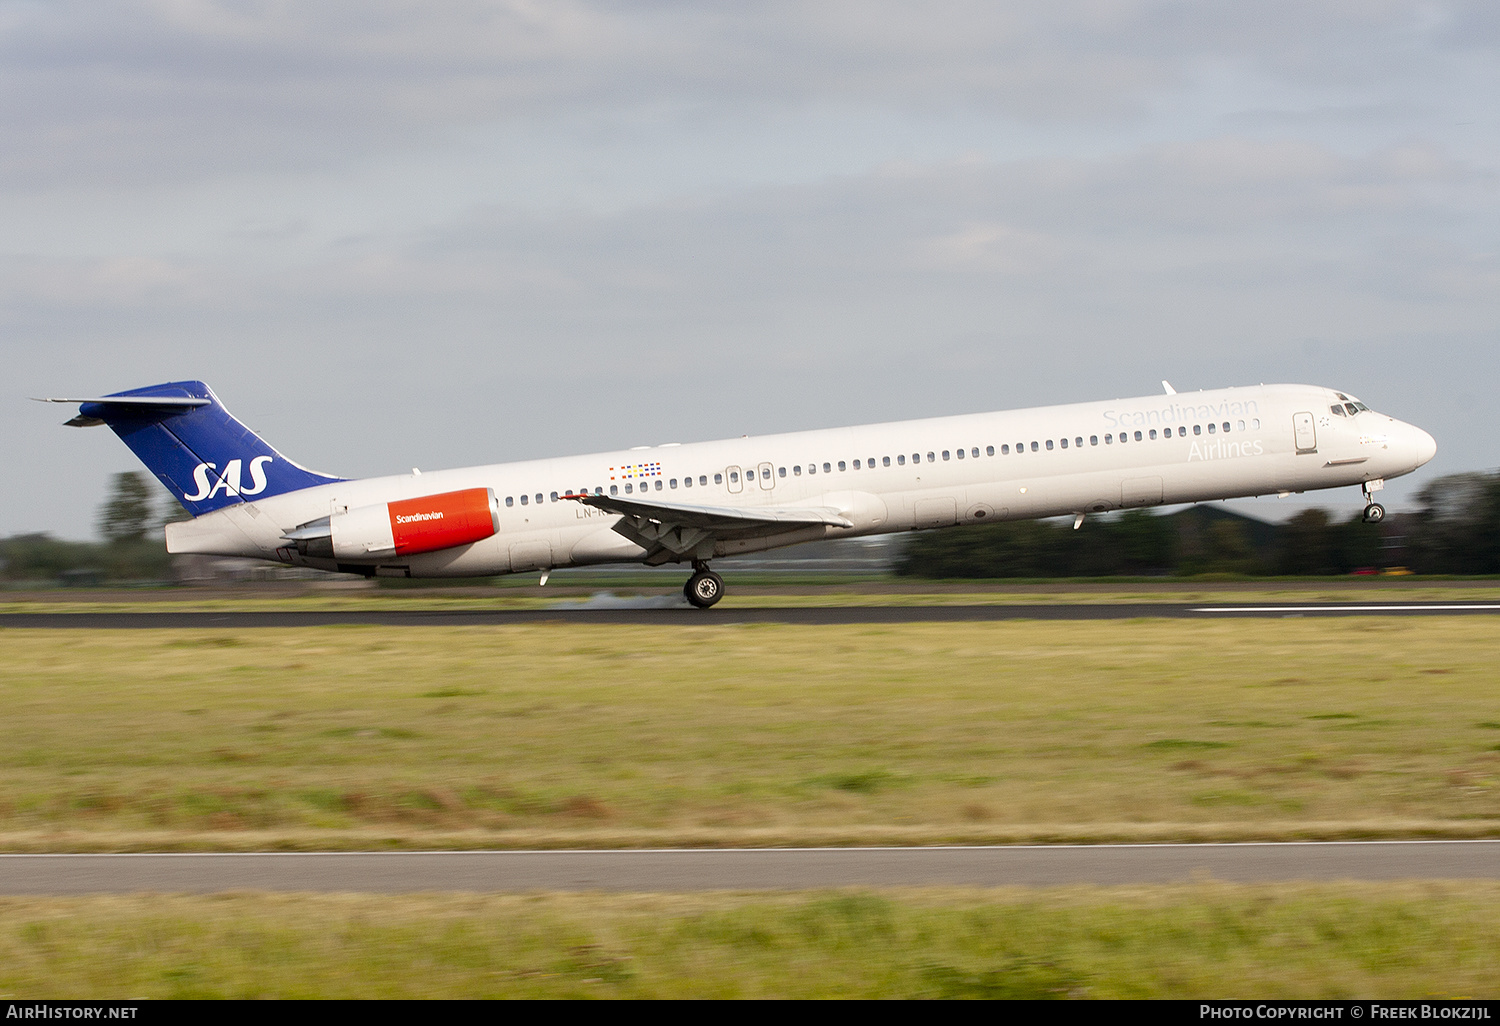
{"x":1374,"y":511}
{"x":705,"y":587}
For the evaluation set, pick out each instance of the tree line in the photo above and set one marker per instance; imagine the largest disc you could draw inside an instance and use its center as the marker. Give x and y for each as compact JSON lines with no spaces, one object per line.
{"x":130,"y":524}
{"x":1454,"y":530}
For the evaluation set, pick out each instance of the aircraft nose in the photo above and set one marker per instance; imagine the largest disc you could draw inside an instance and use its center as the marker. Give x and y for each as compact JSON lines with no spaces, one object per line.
{"x":1426,"y":445}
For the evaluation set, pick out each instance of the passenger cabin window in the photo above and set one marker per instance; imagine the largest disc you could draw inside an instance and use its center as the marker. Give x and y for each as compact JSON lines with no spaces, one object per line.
{"x":827,"y":468}
{"x":614,"y":489}
{"x":1211,"y":427}
{"x":781,"y":471}
{"x":900,"y":461}
{"x":1226,"y":425}
{"x":1109,"y":439}
{"x":1005,"y":450}
{"x":1049,"y":445}
{"x":974,"y":452}
{"x":554,"y":496}
{"x":1035,"y":447}
{"x":916,"y":457}
{"x":658,"y":484}
{"x":687,"y":482}
{"x":870,"y":462}
{"x":885,"y":461}
{"x":523,"y":500}
{"x":856,"y":464}
{"x":842,"y":468}
{"x":1124,"y":438}
{"x":1078,"y":442}
{"x":539,"y":498}
{"x":1197,"y":429}
{"x":1064,"y":443}
{"x":718,"y":479}
{"x":1239,"y":425}
{"x":945,"y":455}
{"x":510,"y":500}
{"x":629,"y":488}
{"x":797,"y":470}
{"x":672,"y":483}
{"x":1153,"y":434}
{"x":1137,"y":436}
{"x":1093,"y":439}
{"x":960,"y":454}
{"x":989,"y":450}
{"x":734,"y":476}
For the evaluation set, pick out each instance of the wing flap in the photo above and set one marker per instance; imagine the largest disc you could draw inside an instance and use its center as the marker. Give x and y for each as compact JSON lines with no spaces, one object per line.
{"x":671,"y":531}
{"x":716,"y":518}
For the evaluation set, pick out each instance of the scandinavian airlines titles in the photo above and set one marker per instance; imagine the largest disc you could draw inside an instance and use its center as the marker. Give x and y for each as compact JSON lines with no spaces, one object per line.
{"x":229,"y":481}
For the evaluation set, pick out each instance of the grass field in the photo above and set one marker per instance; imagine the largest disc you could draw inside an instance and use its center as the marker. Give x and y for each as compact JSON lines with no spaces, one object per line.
{"x":359,"y":737}
{"x":1192,"y":941}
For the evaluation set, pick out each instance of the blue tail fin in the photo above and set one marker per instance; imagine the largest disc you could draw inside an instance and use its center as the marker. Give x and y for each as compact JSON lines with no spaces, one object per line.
{"x":206,"y":458}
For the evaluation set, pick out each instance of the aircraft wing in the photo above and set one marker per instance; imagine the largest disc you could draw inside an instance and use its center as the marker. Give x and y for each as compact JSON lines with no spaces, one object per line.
{"x":671,"y":531}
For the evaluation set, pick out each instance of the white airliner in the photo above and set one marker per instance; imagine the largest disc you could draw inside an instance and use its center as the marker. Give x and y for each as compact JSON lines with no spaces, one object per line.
{"x":695,"y":502}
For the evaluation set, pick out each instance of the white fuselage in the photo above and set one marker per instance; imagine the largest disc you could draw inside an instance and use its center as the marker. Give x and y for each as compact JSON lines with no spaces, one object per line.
{"x":881,"y":478}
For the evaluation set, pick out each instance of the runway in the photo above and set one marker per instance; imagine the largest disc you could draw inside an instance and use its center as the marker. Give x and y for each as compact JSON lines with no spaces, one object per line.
{"x":720,"y":616}
{"x":683,"y":870}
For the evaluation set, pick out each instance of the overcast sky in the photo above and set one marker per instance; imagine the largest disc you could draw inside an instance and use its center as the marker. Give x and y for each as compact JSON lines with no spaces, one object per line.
{"x":437,"y":234}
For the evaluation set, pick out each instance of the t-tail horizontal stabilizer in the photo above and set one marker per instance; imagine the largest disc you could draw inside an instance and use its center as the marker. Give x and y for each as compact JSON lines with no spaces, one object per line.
{"x":185,"y":436}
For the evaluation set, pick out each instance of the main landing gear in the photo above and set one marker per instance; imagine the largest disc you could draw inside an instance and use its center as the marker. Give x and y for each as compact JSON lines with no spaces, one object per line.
{"x":1374,"y":511}
{"x":705,"y":587}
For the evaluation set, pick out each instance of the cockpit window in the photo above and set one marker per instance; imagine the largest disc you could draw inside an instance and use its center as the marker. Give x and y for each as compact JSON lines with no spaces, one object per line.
{"x":1353,"y":408}
{"x":1361,"y":406}
{"x":1336,"y":410}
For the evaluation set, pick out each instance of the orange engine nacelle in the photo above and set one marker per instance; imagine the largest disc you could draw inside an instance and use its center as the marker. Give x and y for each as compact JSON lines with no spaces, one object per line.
{"x":443,"y":521}
{"x":403,"y":528}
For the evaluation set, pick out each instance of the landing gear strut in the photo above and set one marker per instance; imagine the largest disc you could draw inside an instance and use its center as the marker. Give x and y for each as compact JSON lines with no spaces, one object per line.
{"x":1374,"y":511}
{"x":705,"y":587}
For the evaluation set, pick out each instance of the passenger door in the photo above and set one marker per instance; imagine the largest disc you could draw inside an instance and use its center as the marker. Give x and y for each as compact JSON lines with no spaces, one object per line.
{"x":767,"y":477}
{"x":1306,"y":432}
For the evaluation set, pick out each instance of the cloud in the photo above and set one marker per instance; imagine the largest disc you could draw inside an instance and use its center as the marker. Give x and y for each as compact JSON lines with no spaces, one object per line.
{"x":1298,"y":237}
{"x":176,"y":90}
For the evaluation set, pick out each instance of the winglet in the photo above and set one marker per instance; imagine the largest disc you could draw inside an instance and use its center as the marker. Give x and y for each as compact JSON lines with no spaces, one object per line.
{"x":1168,"y":386}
